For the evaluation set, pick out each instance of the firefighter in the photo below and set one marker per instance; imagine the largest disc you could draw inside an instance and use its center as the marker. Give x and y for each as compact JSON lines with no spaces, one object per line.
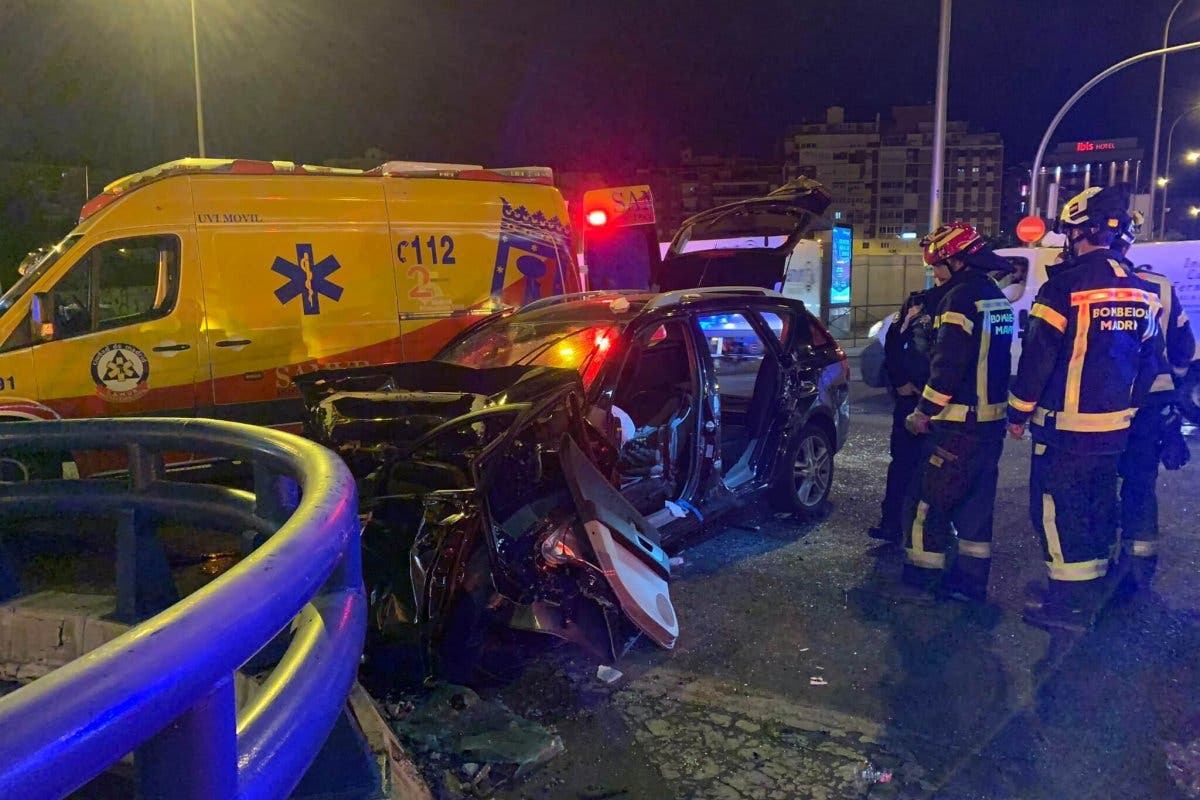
{"x":1155,"y":433}
{"x":1090,"y":352}
{"x":907,"y":346}
{"x":961,"y":412}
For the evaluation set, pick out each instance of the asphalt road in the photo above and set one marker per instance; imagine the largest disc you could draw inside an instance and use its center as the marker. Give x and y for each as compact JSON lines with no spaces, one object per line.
{"x":798,"y":667}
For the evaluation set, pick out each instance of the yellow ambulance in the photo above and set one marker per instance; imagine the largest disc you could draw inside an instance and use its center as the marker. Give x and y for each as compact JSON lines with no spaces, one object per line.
{"x":201,"y":286}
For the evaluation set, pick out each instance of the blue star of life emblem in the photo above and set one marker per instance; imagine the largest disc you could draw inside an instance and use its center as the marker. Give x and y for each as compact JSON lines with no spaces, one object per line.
{"x":306,"y":279}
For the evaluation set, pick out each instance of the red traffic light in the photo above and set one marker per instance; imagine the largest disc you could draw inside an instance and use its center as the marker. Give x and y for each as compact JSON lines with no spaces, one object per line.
{"x":597,"y":217}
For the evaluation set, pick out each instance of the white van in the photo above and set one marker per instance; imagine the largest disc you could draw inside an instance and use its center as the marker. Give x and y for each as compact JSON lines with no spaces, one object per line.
{"x":1178,"y":261}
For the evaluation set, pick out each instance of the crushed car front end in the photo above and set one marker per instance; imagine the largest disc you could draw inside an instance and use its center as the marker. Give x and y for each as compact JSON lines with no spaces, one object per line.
{"x":484,"y":498}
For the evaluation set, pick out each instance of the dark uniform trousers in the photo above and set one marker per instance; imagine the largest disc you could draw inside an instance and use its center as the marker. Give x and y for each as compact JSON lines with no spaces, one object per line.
{"x":953,"y":502}
{"x":905,"y":450}
{"x":1138,"y":468}
{"x":1073,"y":506}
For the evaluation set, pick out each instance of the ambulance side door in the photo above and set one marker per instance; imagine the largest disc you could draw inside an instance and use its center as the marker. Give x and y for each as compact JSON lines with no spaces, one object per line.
{"x":296,"y":278}
{"x":120,"y":328}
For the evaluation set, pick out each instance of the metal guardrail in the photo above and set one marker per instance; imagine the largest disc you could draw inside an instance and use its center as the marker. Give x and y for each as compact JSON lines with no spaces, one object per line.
{"x":164,"y":690}
{"x":851,"y":325}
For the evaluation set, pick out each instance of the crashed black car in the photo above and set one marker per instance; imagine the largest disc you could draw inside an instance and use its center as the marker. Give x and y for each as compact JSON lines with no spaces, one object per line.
{"x":533,"y":472}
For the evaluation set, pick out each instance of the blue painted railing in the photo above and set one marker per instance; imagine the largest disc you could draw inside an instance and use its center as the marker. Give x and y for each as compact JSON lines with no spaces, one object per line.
{"x":164,"y":690}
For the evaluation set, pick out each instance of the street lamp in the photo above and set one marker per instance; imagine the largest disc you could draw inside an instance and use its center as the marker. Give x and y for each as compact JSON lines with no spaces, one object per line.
{"x":196,"y":72}
{"x":1194,"y":212}
{"x":1166,"y":179}
{"x":1067,"y":106}
{"x":1192,"y":156}
{"x":1162,"y":77}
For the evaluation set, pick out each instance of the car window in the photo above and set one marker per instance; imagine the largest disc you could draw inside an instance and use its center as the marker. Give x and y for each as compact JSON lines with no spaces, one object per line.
{"x":820,"y":336}
{"x":781,"y":324}
{"x":117,"y":283}
{"x":21,"y":336}
{"x":737,"y":352}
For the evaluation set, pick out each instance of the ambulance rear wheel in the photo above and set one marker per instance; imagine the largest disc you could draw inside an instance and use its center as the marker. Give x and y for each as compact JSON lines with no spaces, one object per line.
{"x":1189,"y":395}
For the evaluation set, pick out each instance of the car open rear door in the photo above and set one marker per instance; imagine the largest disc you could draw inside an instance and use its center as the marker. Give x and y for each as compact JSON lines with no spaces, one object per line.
{"x":626,"y":546}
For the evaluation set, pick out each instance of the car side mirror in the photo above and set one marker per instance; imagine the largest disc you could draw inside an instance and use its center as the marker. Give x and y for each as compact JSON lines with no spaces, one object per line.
{"x":41,"y":313}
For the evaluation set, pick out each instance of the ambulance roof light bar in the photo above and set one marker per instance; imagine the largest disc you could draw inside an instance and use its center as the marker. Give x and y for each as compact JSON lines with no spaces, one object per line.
{"x":470,"y":172}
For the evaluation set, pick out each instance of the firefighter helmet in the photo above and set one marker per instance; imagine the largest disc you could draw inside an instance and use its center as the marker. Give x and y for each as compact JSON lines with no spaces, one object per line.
{"x":1104,"y":208}
{"x":1129,"y":233}
{"x":955,"y":239}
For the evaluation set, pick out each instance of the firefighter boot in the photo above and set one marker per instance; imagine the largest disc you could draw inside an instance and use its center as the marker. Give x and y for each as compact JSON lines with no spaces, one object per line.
{"x":1134,"y":575}
{"x":923,"y":580}
{"x":967,"y":581}
{"x":1068,"y":606}
{"x":885,"y":532}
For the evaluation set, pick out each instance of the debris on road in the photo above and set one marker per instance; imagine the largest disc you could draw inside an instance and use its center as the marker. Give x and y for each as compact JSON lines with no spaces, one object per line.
{"x":1183,"y":764}
{"x":871,"y":776}
{"x":493,"y":746}
{"x":817,"y":680}
{"x":677,"y":561}
{"x":608,"y":674}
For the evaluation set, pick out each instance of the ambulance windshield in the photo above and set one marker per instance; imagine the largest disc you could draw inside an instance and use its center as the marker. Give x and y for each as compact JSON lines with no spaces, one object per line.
{"x":34,"y":270}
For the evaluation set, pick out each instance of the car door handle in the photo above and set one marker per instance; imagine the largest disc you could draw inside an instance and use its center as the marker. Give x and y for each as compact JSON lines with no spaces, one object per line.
{"x":233,"y":343}
{"x":171,"y":348}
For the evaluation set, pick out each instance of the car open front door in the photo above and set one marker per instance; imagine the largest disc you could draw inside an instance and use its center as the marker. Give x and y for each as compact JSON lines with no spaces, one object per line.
{"x":626,"y":546}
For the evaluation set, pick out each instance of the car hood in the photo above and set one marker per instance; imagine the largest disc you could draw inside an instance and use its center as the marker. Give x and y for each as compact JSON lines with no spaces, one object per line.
{"x":399,"y":404}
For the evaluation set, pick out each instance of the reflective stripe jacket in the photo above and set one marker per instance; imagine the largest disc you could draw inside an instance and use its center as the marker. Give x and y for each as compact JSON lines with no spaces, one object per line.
{"x":1090,"y":354}
{"x":968,"y":379}
{"x":1177,"y":333}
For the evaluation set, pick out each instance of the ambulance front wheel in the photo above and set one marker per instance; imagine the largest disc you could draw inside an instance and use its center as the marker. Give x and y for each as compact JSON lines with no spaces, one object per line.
{"x":1189,"y":395}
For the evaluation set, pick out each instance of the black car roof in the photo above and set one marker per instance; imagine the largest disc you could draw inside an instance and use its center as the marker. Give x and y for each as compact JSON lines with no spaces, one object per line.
{"x":607,"y":304}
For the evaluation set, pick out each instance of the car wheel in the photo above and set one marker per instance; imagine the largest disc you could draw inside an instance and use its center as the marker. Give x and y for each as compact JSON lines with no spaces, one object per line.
{"x":1189,"y":396}
{"x":806,"y":475}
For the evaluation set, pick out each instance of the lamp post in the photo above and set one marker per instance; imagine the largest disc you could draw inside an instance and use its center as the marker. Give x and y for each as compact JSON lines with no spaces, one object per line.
{"x":196,"y":72}
{"x":1067,"y":106}
{"x":1166,"y":179}
{"x":1162,"y":77}
{"x":937,"y":167}
{"x":939,"y":120}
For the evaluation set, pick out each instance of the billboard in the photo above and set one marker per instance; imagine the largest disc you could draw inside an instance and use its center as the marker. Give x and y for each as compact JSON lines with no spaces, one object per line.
{"x":841,"y":247}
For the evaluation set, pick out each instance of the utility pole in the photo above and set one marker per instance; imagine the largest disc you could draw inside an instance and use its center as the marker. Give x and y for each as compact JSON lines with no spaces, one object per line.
{"x":937,"y":167}
{"x":939,"y":121}
{"x":196,"y":71}
{"x":1162,"y":80}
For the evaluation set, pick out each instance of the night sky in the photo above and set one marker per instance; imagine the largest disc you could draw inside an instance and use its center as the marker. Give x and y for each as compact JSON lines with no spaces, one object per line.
{"x":570,"y":84}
